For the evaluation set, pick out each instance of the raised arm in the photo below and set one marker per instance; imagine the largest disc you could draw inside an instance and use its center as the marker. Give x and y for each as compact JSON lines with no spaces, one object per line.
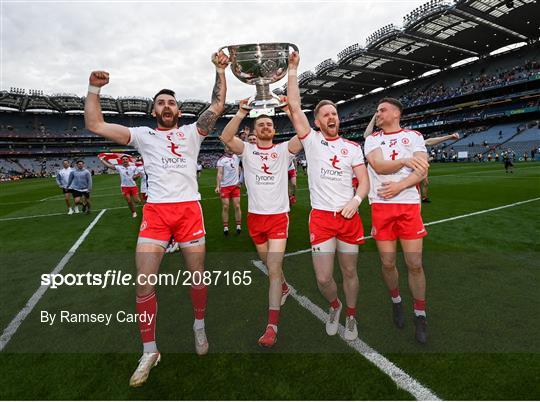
{"x":107,"y":164}
{"x":437,"y":140}
{"x":297,"y":116}
{"x":93,"y":117}
{"x":228,"y":136}
{"x":208,"y":118}
{"x":370,"y":126}
{"x":295,"y":145}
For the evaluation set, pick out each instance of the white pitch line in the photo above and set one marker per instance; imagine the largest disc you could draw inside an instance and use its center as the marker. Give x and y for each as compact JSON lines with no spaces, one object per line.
{"x":27,"y":309}
{"x":397,"y":375}
{"x":484,"y":211}
{"x":55,"y":214}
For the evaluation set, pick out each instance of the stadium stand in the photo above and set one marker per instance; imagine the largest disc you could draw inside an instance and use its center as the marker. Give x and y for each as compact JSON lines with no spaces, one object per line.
{"x":482,"y":88}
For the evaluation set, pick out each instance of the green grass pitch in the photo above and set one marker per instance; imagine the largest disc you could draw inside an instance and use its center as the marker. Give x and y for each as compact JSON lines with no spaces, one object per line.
{"x":482,"y":299}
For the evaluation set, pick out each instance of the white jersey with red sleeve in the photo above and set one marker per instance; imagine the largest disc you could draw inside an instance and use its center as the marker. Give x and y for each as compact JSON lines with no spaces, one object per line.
{"x":396,"y":145}
{"x":330,"y":170}
{"x":126,"y":175}
{"x":170,"y":161}
{"x":266,"y":178}
{"x":231,"y":170}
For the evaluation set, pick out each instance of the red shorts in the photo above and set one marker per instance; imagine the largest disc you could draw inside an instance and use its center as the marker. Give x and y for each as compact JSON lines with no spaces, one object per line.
{"x":144,"y":196}
{"x":130,"y":191}
{"x":393,"y":221}
{"x":324,"y":225}
{"x":230,"y":191}
{"x":264,"y":227}
{"x":292,"y":173}
{"x":183,"y":220}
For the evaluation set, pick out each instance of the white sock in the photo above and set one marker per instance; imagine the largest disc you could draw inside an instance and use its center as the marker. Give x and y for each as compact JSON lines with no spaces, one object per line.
{"x":420,"y":313}
{"x":238,"y":227}
{"x":274,"y":327}
{"x":225,"y":228}
{"x":149,"y":347}
{"x":198,"y":324}
{"x":76,"y":208}
{"x":396,"y":299}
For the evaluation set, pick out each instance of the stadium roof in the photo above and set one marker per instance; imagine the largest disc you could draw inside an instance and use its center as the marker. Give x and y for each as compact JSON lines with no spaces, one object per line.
{"x":434,"y":36}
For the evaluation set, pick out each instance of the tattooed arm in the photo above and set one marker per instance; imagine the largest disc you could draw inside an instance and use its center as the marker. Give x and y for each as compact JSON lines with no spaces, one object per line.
{"x":208,"y":118}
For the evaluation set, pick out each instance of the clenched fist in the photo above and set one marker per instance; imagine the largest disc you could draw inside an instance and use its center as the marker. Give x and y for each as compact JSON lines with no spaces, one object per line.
{"x":99,"y":78}
{"x":220,"y":59}
{"x":294,"y":60}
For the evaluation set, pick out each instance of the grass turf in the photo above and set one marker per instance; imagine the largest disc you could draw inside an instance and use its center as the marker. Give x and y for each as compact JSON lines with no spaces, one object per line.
{"x":482,"y":279}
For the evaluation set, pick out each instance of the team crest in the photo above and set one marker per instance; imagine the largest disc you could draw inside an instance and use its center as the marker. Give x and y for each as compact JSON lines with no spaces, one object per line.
{"x":144,"y":225}
{"x":405,"y":141}
{"x":274,"y":155}
{"x":344,"y":151}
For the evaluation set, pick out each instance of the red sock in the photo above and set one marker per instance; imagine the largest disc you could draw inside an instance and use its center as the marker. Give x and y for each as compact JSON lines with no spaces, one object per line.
{"x":198,"y":295}
{"x":284,"y":287}
{"x":147,"y":304}
{"x":419,"y":306}
{"x":351,"y":311}
{"x":239,"y":223}
{"x":394,"y":293}
{"x":273,"y":317}
{"x":225,"y":224}
{"x":335,"y":304}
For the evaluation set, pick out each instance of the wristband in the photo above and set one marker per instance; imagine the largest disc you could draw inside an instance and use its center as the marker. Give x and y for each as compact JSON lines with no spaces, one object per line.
{"x":220,"y":70}
{"x":358,"y":198}
{"x":93,"y":89}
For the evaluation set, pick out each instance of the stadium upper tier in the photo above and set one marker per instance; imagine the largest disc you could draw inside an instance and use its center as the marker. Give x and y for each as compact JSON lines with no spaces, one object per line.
{"x":434,"y":37}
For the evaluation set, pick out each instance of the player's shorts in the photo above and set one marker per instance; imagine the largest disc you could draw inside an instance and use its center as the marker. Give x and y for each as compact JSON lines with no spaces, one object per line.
{"x":291,"y":173}
{"x":508,"y":163}
{"x":264,"y":227}
{"x":66,"y":190}
{"x":396,"y":221}
{"x":76,"y":194}
{"x":324,"y":225}
{"x":144,"y":196}
{"x":230,"y":192}
{"x":133,"y":191}
{"x":182,"y":220}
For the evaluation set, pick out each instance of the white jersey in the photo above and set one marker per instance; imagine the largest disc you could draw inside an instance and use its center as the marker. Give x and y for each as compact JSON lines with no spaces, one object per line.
{"x":330,"y":170}
{"x":397,"y":145}
{"x":144,"y":179}
{"x":62,"y":177}
{"x":231,"y":170}
{"x":265,"y":172}
{"x":170,"y":161}
{"x":126,"y":175}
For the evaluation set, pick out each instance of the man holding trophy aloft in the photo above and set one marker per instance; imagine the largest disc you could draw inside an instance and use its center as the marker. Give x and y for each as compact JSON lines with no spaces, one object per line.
{"x":265,"y":166}
{"x":334,"y":222}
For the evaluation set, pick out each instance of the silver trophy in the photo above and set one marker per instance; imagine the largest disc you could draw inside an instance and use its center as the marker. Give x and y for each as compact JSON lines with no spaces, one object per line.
{"x":261,"y":64}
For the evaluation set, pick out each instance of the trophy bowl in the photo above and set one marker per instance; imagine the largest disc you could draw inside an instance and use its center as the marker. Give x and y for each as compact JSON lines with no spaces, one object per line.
{"x":260,"y":64}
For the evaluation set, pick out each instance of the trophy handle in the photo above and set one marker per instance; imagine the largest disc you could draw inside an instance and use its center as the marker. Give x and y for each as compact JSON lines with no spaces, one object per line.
{"x":294,"y":47}
{"x":221,"y":49}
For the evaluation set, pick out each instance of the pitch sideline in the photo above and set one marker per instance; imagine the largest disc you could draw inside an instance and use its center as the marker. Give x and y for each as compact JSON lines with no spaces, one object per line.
{"x":13,"y":326}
